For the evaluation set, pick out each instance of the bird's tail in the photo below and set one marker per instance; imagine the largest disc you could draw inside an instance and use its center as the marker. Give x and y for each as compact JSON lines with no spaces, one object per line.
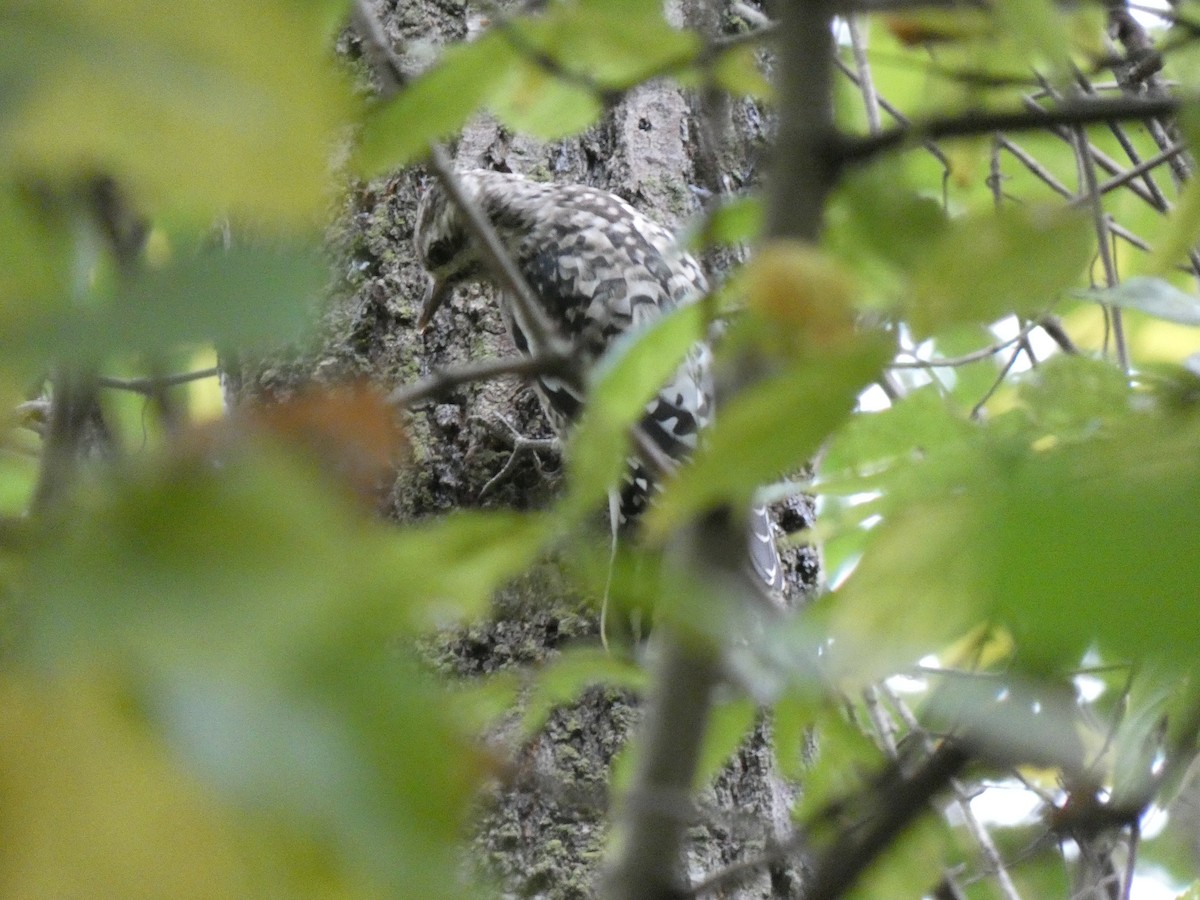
{"x":764,"y":556}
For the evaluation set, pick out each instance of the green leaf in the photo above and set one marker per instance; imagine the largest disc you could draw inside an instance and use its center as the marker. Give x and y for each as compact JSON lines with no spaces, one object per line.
{"x":930,"y":550}
{"x":37,"y":272}
{"x":882,"y":228}
{"x":793,"y":718}
{"x":775,"y":426}
{"x":247,"y":295}
{"x":733,"y":222}
{"x":988,"y":266}
{"x":1139,"y":739}
{"x":245,"y":563}
{"x":81,"y":736}
{"x":1035,"y":723}
{"x":844,"y":757}
{"x":903,"y":434}
{"x":435,"y":105}
{"x":535,"y":102}
{"x":1015,"y":532}
{"x":257,"y":614}
{"x":566,"y":678}
{"x":905,"y":868}
{"x":1074,"y":398}
{"x":188,"y":104}
{"x":623,"y":382}
{"x":615,"y":45}
{"x":451,"y":567}
{"x":1036,"y":26}
{"x":330,"y":755}
{"x":730,"y":725}
{"x":1153,"y":296}
{"x":1049,"y":575}
{"x":737,"y":71}
{"x":1180,"y":232}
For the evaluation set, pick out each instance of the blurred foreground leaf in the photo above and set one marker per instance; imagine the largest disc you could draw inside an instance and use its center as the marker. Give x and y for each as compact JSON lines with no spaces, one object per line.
{"x":1153,"y":296}
{"x":258,"y":554}
{"x":545,"y":75}
{"x":36,"y":269}
{"x":972,"y":273}
{"x":94,"y":806}
{"x":1067,"y":543}
{"x":614,"y":44}
{"x":206,"y":108}
{"x":623,"y":382}
{"x":256,"y":613}
{"x":246,"y":295}
{"x":774,"y":427}
{"x":434,"y":106}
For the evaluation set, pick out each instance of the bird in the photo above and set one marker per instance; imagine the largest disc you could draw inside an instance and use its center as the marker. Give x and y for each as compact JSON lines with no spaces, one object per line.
{"x":598,"y":268}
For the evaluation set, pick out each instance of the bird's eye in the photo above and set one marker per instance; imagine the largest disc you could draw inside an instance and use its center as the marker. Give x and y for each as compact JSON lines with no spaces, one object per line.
{"x":440,"y":253}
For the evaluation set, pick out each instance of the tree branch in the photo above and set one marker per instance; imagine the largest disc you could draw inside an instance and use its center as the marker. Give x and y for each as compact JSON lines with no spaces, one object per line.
{"x":896,"y":800}
{"x":149,"y":386}
{"x":650,"y":839}
{"x":900,"y":802}
{"x":71,"y":413}
{"x":686,"y":671}
{"x":848,"y":150}
{"x":441,"y":383}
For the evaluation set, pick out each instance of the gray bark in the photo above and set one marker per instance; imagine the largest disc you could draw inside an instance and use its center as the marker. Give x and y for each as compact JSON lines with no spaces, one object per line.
{"x":543,"y":832}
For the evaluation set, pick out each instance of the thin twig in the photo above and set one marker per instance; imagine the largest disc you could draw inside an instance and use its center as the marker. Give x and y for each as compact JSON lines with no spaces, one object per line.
{"x":858,"y":46}
{"x":951,"y":362}
{"x":1137,"y":77}
{"x":1012,"y":360}
{"x":1103,"y":160}
{"x":902,"y":801}
{"x":1025,"y":158}
{"x":857,"y":149}
{"x":1136,"y":172}
{"x":934,"y":150}
{"x":443,"y":382}
{"x":1127,"y":144}
{"x":987,"y":847}
{"x":149,"y":386}
{"x":1090,"y":191}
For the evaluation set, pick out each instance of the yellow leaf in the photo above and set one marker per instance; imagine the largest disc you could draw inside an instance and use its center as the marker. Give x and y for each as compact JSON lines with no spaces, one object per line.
{"x":207,"y":108}
{"x":91,"y":805}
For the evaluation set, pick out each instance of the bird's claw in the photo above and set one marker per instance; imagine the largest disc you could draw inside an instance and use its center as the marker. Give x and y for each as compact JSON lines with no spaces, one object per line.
{"x":519,"y":445}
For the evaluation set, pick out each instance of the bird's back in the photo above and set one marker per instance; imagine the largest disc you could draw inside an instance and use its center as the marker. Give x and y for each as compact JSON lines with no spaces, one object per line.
{"x":599,"y":268}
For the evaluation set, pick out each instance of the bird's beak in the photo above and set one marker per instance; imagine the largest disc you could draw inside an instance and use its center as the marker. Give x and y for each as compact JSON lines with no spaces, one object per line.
{"x":436,"y":293}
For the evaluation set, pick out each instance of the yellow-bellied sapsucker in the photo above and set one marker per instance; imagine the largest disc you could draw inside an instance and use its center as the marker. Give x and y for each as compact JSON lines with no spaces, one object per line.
{"x":598,"y":267}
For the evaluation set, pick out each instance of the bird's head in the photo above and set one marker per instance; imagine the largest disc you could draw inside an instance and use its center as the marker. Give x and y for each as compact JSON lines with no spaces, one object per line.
{"x":444,"y":248}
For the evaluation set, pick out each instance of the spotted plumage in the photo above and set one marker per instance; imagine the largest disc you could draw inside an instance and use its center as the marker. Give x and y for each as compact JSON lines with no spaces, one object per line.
{"x":599,"y":268}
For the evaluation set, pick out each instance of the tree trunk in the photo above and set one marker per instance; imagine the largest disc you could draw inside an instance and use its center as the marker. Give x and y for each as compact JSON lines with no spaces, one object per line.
{"x":543,"y":831}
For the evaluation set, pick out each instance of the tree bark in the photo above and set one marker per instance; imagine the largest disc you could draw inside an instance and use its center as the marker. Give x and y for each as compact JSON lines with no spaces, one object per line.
{"x":543,"y":832}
